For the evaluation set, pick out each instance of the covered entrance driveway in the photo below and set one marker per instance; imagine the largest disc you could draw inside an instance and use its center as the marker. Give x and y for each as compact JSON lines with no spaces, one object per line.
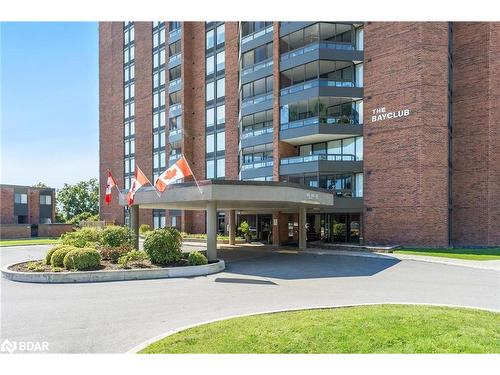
{"x":250,"y":196}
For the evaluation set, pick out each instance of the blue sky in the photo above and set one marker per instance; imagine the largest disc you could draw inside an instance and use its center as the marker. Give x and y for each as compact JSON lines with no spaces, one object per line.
{"x":49,"y":102}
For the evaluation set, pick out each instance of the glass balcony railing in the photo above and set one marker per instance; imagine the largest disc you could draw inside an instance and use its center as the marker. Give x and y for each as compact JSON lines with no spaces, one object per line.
{"x":175,"y":107}
{"x":174,"y":34}
{"x":256,"y":34}
{"x":175,"y":84}
{"x":316,"y":83}
{"x":331,"y":120}
{"x":316,"y":46}
{"x":175,"y":59}
{"x":256,"y":164}
{"x":318,"y":157}
{"x":174,"y":132}
{"x":257,"y":67}
{"x":254,"y":133}
{"x":257,"y":99}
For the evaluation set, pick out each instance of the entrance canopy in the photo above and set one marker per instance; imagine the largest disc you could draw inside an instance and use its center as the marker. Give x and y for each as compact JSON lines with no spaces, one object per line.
{"x":238,"y":195}
{"x":213,"y":195}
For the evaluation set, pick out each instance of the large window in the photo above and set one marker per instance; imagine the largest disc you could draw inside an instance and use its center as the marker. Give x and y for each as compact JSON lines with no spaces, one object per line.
{"x":330,"y":110}
{"x":341,"y":34}
{"x":20,"y":198}
{"x":257,"y":55}
{"x":348,"y":148}
{"x":258,"y":87}
{"x":257,"y":121}
{"x":252,"y":27}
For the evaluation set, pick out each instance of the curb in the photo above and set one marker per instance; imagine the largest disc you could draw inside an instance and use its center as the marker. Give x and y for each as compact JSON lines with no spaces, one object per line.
{"x":114,"y":275}
{"x":171,"y":332}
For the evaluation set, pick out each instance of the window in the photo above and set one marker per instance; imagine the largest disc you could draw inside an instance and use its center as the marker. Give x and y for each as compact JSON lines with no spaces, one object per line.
{"x":210,"y":143}
{"x":210,"y":65}
{"x":210,"y":117}
{"x":359,"y":148}
{"x":210,"y":39}
{"x":174,"y":48}
{"x":221,"y":88}
{"x":221,"y":114}
{"x":221,"y":34}
{"x":210,"y":169}
{"x":359,"y":185}
{"x":221,"y":61}
{"x":20,"y":198}
{"x":221,"y":168}
{"x":210,"y":91}
{"x":221,"y":141}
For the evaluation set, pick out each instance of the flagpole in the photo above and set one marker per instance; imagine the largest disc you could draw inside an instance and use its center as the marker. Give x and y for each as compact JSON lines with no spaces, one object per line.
{"x":192,"y":174}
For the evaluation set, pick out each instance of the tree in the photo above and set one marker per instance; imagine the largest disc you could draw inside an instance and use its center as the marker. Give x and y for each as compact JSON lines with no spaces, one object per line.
{"x":77,"y":199}
{"x":40,"y":185}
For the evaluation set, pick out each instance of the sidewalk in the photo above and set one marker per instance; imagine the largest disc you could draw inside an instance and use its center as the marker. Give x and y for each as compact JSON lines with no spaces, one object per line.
{"x":479,"y":264}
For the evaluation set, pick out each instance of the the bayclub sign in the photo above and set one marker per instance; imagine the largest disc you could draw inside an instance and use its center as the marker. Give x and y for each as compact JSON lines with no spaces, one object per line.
{"x":381,"y":114}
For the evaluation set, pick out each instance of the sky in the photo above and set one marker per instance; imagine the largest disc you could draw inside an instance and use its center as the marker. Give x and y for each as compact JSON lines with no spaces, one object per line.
{"x":49,"y":102}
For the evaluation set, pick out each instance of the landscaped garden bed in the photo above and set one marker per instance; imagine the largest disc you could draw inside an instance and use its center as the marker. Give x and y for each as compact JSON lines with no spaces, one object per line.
{"x":107,"y":254}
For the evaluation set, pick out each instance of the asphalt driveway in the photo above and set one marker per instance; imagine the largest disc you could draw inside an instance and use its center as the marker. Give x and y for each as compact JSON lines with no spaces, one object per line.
{"x":116,"y":316}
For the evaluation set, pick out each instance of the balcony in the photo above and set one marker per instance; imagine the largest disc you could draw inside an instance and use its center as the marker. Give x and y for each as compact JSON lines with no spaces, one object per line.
{"x":256,"y":169}
{"x":175,"y":110}
{"x":174,"y":35}
{"x":318,"y":129}
{"x":256,"y":39}
{"x":256,"y":71}
{"x":320,"y":163}
{"x":257,"y":137}
{"x":257,"y":103}
{"x":320,"y":87}
{"x":175,"y":135}
{"x":175,"y":85}
{"x":173,"y":158}
{"x":324,"y":50}
{"x":174,"y":60}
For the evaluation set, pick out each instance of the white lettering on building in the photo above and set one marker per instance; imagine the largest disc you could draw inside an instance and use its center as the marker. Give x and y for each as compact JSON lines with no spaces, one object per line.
{"x":380,"y":114}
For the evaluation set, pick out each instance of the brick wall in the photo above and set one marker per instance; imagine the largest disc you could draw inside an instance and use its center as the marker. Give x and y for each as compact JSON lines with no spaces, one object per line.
{"x":53,"y":230}
{"x":405,"y":159}
{"x":7,"y":206}
{"x":111,"y":115}
{"x":8,"y":231}
{"x":476,"y":134}
{"x":34,"y":206}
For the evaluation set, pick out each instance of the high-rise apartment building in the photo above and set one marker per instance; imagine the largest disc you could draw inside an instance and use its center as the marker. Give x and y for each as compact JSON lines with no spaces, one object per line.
{"x":398,"y":120}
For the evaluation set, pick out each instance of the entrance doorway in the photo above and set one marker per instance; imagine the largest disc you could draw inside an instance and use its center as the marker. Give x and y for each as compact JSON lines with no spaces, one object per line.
{"x":335,"y":228}
{"x":260,"y":226}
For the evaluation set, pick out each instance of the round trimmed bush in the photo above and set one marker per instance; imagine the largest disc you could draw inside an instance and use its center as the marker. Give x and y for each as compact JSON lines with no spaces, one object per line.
{"x":82,"y":259}
{"x":84,"y":237}
{"x":163,"y":246}
{"x":51,"y":251}
{"x":197,"y":259}
{"x":113,"y":253}
{"x":116,"y":236}
{"x":57,"y":258}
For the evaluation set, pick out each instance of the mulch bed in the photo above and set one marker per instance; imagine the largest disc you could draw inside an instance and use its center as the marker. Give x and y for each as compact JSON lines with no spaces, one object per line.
{"x":106,"y":265}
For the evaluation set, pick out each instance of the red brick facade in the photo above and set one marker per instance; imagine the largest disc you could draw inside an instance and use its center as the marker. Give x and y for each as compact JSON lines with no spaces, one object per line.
{"x":406,"y":159}
{"x":476,"y":133}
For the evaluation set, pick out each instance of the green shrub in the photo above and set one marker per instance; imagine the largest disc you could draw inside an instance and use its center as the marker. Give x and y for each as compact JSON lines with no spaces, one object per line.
{"x":163,"y":246}
{"x":133,"y":257}
{"x":144,"y":228}
{"x":85,"y":237}
{"x":116,"y":236}
{"x":35,"y":266}
{"x":113,"y":253}
{"x":82,"y":259}
{"x":57,"y":259}
{"x":197,"y":259}
{"x":57,"y":269}
{"x":51,"y":251}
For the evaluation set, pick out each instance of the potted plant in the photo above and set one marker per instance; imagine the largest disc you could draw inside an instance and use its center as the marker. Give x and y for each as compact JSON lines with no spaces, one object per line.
{"x":244,"y":228}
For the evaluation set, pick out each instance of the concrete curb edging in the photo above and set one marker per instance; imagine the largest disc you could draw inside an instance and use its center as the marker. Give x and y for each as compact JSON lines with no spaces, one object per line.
{"x":113,"y":275}
{"x":171,"y":332}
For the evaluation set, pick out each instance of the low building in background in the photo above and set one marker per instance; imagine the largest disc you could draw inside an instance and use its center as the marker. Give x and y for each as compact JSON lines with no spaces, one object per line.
{"x":27,"y":211}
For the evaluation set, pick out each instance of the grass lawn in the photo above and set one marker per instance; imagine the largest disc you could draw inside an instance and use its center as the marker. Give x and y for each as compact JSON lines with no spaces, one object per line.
{"x":364,"y":329}
{"x":29,"y":241}
{"x":470,"y":254}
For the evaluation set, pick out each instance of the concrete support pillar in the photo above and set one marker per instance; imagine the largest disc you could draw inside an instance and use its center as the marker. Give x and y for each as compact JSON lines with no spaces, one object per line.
{"x":302,"y":228}
{"x":134,"y":223}
{"x":212,"y":231}
{"x":276,"y":228}
{"x":232,"y":227}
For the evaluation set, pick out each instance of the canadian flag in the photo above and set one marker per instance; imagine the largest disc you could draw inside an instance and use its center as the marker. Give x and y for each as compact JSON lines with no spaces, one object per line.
{"x":138,"y":181}
{"x":109,"y":186}
{"x":177,"y":171}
